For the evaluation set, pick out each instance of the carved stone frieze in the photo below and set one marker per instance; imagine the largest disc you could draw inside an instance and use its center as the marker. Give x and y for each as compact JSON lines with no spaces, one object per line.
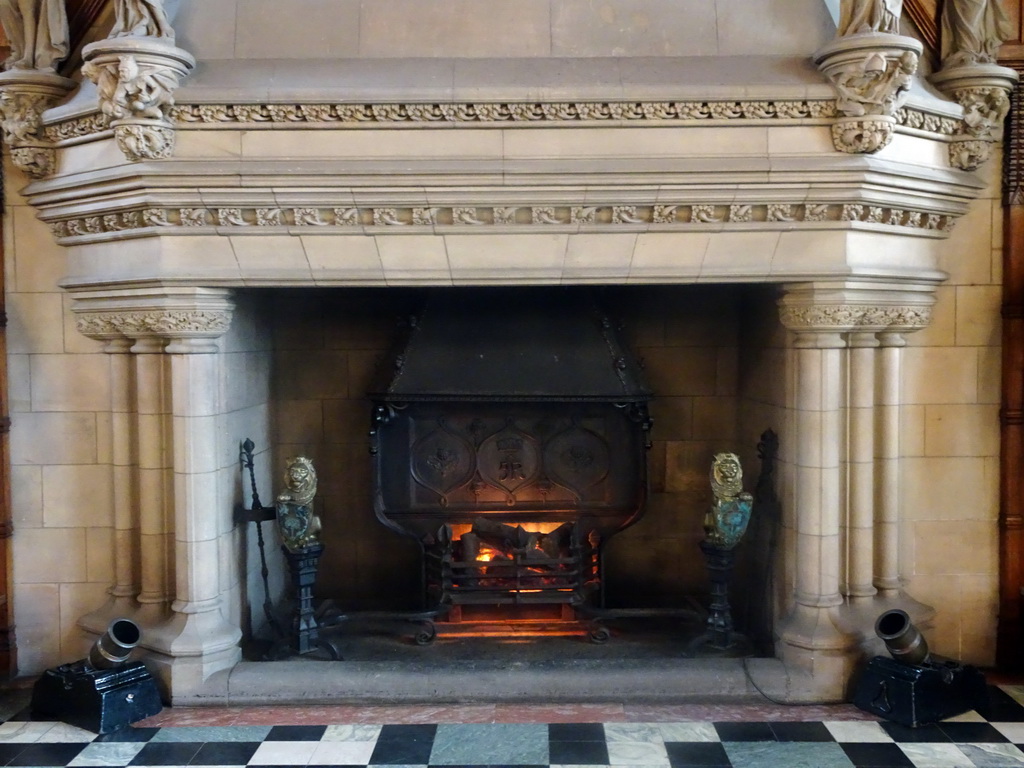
{"x":24,"y":96}
{"x":358,"y":219}
{"x":983,"y":90}
{"x":256,"y":116}
{"x":872,"y":74}
{"x":167,"y":323}
{"x":850,"y":317}
{"x":135,"y":79}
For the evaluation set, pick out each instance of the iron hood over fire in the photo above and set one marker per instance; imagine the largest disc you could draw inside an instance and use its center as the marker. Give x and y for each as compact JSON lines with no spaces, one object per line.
{"x":489,"y":344}
{"x":521,"y":405}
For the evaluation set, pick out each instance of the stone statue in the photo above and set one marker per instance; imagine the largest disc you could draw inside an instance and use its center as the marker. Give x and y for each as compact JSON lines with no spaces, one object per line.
{"x":296,"y":517}
{"x":865,"y":16}
{"x":37,"y":31}
{"x":972,"y":31}
{"x":726,"y":520}
{"x":141,"y":18}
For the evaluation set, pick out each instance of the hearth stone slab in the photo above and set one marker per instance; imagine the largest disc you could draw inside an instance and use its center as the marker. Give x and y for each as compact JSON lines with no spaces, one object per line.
{"x":381,"y":682}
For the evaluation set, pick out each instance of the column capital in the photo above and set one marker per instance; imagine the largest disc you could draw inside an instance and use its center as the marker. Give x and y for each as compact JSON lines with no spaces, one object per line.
{"x":855,"y":307}
{"x":189,"y":320}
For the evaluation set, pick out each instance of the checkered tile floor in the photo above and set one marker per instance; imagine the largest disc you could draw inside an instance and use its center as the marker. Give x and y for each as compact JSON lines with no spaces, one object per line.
{"x":968,"y":741}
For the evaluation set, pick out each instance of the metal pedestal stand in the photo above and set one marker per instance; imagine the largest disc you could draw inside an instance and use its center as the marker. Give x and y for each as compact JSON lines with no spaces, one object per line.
{"x":720,"y":639}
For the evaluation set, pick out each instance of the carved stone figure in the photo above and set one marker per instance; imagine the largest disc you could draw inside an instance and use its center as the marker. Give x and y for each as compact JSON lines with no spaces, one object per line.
{"x":972,"y":31}
{"x":296,"y":518}
{"x":878,"y":86}
{"x":865,"y":16}
{"x":133,"y":90}
{"x":726,"y":520}
{"x":141,"y":18}
{"x":37,"y":31}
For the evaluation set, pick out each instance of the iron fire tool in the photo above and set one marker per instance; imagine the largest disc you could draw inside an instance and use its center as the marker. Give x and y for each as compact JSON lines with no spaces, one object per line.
{"x":302,"y":551}
{"x":303,"y":558}
{"x":103,"y":692}
{"x":913,"y":687}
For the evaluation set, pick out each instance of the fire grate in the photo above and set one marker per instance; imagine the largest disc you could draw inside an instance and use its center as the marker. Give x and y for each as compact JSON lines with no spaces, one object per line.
{"x":516,"y":567}
{"x":509,"y":440}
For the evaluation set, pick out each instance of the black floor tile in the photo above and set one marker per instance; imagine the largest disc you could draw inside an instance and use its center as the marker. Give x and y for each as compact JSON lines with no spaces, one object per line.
{"x":167,"y":753}
{"x":394,"y":751}
{"x":296,"y":733}
{"x":745,"y":732}
{"x":407,"y":733}
{"x":10,"y":751}
{"x":1002,"y":708}
{"x":576,"y":732}
{"x":47,"y":754}
{"x":801,"y":732}
{"x":681,"y":754}
{"x":972,"y":733}
{"x":225,"y":753}
{"x":876,"y":755}
{"x":923,"y":733}
{"x":578,"y":752}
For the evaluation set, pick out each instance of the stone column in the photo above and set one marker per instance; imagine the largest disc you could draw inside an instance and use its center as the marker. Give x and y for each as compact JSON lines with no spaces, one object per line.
{"x":198,"y":631}
{"x":153,"y":479}
{"x":817,"y":410}
{"x":887,"y":518}
{"x":177,"y":392}
{"x":123,"y":469}
{"x":840,"y":428}
{"x":860,"y":525}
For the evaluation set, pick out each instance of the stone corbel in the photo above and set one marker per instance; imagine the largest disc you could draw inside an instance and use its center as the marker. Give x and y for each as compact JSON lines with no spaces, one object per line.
{"x":983,"y":90}
{"x":871,"y":73}
{"x":24,"y":95}
{"x":136,"y":78}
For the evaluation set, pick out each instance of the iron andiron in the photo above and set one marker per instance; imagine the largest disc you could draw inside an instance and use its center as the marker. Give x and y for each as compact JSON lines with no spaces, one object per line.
{"x":724,"y":525}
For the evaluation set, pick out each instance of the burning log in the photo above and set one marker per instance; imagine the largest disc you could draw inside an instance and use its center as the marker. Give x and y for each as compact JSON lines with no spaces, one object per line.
{"x":470,"y":546}
{"x":515,"y":540}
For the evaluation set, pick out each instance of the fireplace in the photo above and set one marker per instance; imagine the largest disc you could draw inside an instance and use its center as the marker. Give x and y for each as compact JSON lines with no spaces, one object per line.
{"x":243,"y":286}
{"x":509,"y":441}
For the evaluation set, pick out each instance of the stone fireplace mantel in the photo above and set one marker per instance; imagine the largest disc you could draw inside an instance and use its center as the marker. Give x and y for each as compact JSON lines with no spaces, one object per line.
{"x":480,"y":181}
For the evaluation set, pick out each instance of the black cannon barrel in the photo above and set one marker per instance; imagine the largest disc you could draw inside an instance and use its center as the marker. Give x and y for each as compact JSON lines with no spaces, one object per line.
{"x":904,"y":641}
{"x":115,"y":645}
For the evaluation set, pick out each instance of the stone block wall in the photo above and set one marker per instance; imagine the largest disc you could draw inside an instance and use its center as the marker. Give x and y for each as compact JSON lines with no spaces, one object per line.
{"x":950,"y":434}
{"x":331,"y":29}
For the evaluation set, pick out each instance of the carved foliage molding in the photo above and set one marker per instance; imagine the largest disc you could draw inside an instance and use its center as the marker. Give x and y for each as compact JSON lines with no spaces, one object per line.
{"x":197,"y":323}
{"x":849,"y":317}
{"x":255,"y":116}
{"x":353,"y":220}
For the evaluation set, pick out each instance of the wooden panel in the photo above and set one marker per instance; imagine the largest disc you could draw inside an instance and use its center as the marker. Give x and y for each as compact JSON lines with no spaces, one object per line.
{"x":925,"y":15}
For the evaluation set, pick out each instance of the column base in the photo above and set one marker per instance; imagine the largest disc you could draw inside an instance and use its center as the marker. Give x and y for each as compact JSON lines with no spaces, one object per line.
{"x":189,"y":648}
{"x":818,"y":654}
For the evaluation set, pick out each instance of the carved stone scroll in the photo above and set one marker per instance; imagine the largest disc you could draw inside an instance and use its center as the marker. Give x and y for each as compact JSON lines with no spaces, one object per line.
{"x":136,"y":78}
